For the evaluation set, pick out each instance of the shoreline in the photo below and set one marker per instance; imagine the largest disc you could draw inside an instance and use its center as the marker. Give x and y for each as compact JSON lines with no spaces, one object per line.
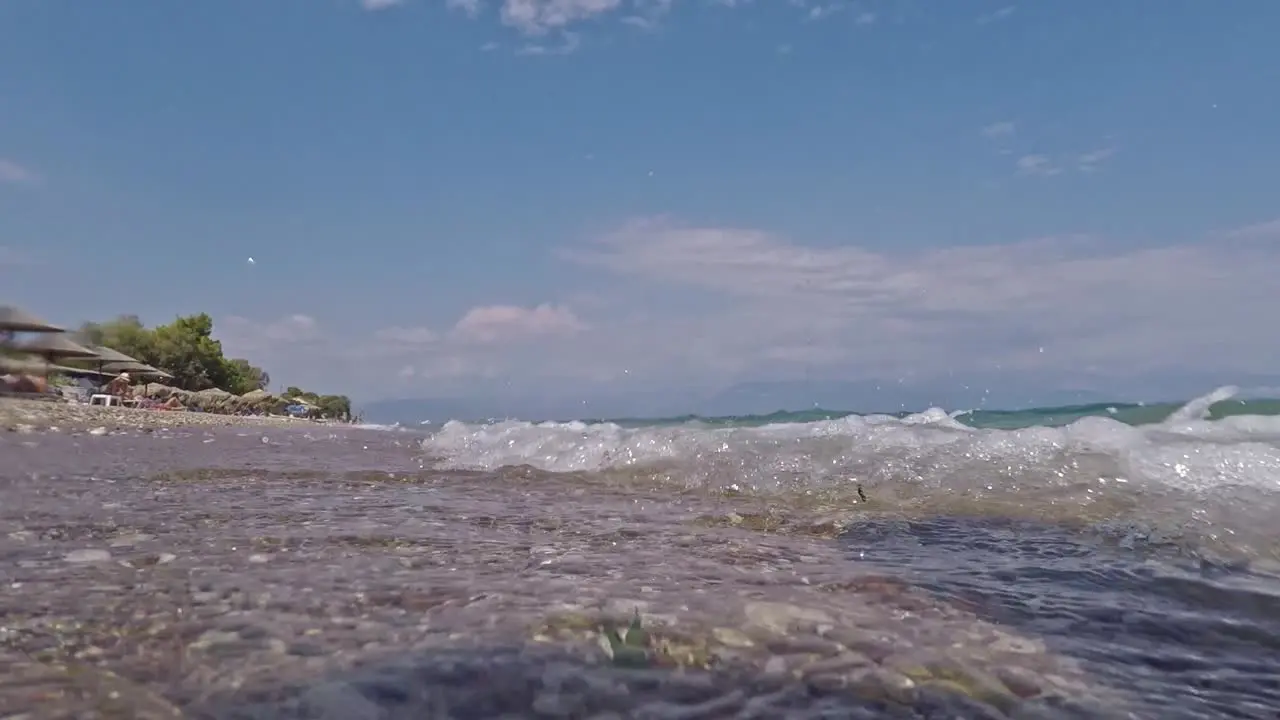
{"x":19,"y":414}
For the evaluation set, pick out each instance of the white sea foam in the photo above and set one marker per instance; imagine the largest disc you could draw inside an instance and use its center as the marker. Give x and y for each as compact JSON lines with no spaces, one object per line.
{"x":1221,"y":475}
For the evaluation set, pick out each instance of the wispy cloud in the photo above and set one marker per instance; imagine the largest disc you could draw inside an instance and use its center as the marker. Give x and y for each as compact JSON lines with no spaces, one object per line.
{"x":648,"y":14}
{"x":569,"y":42}
{"x":865,"y":18}
{"x":249,"y":333}
{"x":823,"y":10}
{"x":1006,"y":136}
{"x":538,"y":17}
{"x":1002,"y":129}
{"x":1093,"y":160}
{"x":1046,"y":166}
{"x":376,"y":5}
{"x":15,"y":174}
{"x":1087,"y":300}
{"x":1003,"y":13}
{"x":509,"y":323}
{"x":1037,"y":165}
{"x":470,"y":8}
{"x":753,"y":303}
{"x":1258,"y":231}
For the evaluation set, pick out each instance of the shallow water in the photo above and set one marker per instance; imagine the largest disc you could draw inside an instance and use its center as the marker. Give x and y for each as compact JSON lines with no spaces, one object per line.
{"x":1096,"y":570}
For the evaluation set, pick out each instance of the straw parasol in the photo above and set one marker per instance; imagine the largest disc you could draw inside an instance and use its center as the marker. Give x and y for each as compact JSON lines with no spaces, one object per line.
{"x":38,"y":366}
{"x":15,"y":319}
{"x":53,"y":346}
{"x":135,"y":368}
{"x":107,"y":355}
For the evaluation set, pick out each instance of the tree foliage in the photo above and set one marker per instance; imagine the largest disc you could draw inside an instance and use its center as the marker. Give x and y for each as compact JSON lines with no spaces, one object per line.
{"x":186,"y":349}
{"x":334,"y":406}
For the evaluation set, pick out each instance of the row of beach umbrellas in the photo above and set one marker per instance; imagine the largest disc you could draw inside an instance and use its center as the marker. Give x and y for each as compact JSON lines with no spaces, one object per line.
{"x":52,"y":344}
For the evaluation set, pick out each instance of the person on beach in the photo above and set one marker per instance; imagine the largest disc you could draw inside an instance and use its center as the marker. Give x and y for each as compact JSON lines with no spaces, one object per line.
{"x":27,"y":384}
{"x":119,"y":386}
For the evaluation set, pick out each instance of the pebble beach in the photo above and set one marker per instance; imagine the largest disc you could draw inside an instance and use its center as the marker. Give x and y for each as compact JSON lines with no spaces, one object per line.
{"x":18,"y":414}
{"x":187,"y":565}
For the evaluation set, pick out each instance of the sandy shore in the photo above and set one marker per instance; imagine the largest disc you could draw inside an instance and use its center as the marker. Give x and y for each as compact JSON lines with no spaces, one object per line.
{"x":19,"y":415}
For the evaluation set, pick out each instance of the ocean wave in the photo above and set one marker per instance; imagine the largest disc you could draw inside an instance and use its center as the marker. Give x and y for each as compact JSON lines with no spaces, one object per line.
{"x":1216,"y":481}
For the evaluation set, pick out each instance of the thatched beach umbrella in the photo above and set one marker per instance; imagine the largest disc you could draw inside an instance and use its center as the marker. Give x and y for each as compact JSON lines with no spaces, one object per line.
{"x":23,"y":365}
{"x":53,"y":346}
{"x":50,"y":347}
{"x":133,"y":367}
{"x":15,"y":319}
{"x":107,"y":355}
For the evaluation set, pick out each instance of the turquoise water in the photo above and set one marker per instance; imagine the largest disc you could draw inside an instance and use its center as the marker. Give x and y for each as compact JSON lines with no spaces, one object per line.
{"x":1128,"y":413}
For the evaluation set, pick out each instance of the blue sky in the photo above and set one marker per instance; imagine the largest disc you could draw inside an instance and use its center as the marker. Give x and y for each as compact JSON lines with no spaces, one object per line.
{"x":578,"y":197}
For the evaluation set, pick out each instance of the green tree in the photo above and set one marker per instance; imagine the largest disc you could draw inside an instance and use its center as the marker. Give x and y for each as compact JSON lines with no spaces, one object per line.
{"x":245,"y":377}
{"x":186,"y":349}
{"x":126,"y":334}
{"x":337,"y":407}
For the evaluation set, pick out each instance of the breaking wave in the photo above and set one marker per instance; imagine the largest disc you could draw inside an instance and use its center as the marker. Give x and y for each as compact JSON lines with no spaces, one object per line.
{"x":1199,"y":475}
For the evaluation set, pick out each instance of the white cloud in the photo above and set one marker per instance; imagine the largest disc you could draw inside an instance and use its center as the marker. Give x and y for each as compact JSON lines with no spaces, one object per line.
{"x":824,"y":10}
{"x":939,"y":309}
{"x":511,"y":323}
{"x":568,"y":43}
{"x":1002,"y":129}
{"x":15,"y":174}
{"x":1046,"y":166}
{"x":1258,"y":231}
{"x":996,"y":16}
{"x":470,"y":8}
{"x":648,"y":13}
{"x":1037,"y":165}
{"x":1092,"y":160}
{"x":713,"y":305}
{"x":537,"y":17}
{"x":291,"y":329}
{"x":866,"y":18}
{"x":376,"y":5}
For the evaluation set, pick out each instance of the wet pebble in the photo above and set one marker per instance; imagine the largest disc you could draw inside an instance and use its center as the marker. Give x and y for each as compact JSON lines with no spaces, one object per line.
{"x":306,"y":649}
{"x":1022,"y":646}
{"x":1020,"y":682}
{"x":732,"y":638}
{"x":803,"y":644}
{"x":557,"y":705}
{"x":87,"y":555}
{"x":840,"y":663}
{"x":876,"y":646}
{"x":715,"y":708}
{"x":778,"y":617}
{"x":129,"y":540}
{"x":876,"y":683}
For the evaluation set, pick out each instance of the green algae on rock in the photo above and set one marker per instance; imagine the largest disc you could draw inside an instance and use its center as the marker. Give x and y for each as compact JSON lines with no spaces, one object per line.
{"x":820,"y":646}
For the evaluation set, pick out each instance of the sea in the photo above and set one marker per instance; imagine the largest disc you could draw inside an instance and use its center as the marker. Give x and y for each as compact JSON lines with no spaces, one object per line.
{"x":1107,"y":560}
